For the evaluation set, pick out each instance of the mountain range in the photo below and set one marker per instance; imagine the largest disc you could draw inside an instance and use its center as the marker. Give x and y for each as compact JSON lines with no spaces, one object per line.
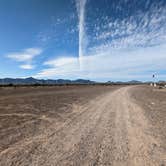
{"x":33,"y":81}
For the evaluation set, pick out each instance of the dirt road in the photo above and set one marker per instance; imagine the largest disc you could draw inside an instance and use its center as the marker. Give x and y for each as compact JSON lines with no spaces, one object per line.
{"x":110,"y":129}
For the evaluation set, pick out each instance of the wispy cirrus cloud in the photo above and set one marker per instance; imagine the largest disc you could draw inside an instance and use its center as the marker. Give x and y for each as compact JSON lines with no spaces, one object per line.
{"x":141,"y":29}
{"x":56,"y":30}
{"x":26,"y":57}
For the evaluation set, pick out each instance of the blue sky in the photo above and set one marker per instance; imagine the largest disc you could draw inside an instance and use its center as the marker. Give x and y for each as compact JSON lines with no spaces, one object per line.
{"x":90,"y":39}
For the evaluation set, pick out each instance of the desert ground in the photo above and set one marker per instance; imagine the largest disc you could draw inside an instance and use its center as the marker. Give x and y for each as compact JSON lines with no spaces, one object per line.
{"x":83,"y":125}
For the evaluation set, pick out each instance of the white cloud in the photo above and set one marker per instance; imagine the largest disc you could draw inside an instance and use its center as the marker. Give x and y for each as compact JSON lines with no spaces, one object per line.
{"x":27,"y":66}
{"x":25,"y":56}
{"x":141,"y":29}
{"x":60,"y":61}
{"x":81,"y":9}
{"x":109,"y":65}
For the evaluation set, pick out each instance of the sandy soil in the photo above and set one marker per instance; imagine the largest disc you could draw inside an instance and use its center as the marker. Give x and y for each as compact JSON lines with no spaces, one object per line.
{"x":92,"y":125}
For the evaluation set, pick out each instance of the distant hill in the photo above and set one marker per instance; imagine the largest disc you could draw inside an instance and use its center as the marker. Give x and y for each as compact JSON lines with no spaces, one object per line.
{"x":128,"y":82}
{"x":134,"y":82}
{"x":31,"y":80}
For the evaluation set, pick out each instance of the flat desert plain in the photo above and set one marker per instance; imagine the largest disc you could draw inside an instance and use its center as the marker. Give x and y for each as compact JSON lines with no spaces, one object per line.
{"x":83,"y":125}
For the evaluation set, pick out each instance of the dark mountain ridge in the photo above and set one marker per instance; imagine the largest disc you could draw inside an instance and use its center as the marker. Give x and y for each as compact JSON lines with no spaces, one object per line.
{"x":31,"y":80}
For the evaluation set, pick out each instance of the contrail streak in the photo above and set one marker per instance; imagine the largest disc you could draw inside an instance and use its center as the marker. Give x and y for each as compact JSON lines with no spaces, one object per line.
{"x":82,"y":34}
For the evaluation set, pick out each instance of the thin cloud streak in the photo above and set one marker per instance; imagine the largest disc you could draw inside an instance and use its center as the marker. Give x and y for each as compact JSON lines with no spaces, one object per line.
{"x":81,"y":4}
{"x":27,"y":66}
{"x":26,"y":56}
